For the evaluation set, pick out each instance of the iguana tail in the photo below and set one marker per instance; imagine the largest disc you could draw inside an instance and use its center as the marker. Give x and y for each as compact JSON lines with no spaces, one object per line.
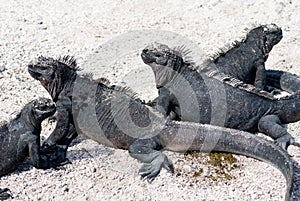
{"x":209,"y":138}
{"x":283,"y":80}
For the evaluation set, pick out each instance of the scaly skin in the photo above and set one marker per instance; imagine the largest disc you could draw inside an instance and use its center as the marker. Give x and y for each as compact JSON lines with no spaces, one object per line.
{"x":20,"y":138}
{"x":244,"y":107}
{"x":283,"y":80}
{"x":110,"y":116}
{"x":245,"y":60}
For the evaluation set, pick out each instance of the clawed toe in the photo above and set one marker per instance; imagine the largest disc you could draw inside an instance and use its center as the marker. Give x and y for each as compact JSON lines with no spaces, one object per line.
{"x":60,"y":164}
{"x":170,"y":168}
{"x":283,"y":145}
{"x":286,"y":141}
{"x":294,"y":142}
{"x":149,"y":172}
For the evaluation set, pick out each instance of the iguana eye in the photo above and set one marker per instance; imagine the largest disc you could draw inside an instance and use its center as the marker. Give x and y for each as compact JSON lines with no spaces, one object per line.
{"x":43,"y":68}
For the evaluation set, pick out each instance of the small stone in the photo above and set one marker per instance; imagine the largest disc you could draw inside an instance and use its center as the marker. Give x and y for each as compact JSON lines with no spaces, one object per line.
{"x":2,"y":69}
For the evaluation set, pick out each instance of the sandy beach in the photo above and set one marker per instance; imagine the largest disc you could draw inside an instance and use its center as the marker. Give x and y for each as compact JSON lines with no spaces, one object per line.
{"x":81,"y":28}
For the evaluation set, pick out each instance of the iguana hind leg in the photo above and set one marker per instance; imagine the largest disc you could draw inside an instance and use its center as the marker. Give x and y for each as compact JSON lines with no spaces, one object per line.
{"x":148,"y":152}
{"x":272,"y":126}
{"x":63,"y":116}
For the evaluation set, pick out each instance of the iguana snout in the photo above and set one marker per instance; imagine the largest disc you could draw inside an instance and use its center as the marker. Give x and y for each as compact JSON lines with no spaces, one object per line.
{"x":155,"y":53}
{"x":42,"y":67}
{"x":272,"y":36}
{"x":43,"y":108}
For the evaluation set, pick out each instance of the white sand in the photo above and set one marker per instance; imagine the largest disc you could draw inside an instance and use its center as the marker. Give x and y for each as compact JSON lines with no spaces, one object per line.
{"x":78,"y":28}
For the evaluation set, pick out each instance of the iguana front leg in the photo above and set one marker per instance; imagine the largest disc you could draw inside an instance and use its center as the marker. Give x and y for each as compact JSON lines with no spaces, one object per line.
{"x":34,"y":153}
{"x":148,"y":152}
{"x":56,"y":154}
{"x":63,"y":120}
{"x":166,"y":103}
{"x":272,"y":126}
{"x":260,"y":76}
{"x":38,"y":160}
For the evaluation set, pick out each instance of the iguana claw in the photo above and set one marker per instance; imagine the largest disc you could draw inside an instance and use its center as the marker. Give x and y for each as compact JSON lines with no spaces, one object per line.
{"x":149,"y":171}
{"x":286,"y":141}
{"x":294,"y":142}
{"x":152,"y":170}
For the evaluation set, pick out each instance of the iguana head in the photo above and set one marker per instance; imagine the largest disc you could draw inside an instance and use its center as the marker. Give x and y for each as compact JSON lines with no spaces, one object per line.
{"x":164,"y":61}
{"x":41,"y":108}
{"x":53,"y":74}
{"x":266,"y":36}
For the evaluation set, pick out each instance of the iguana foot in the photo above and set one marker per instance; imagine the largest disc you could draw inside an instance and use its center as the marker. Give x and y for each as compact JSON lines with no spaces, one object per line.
{"x":55,"y":156}
{"x":294,"y":142}
{"x":286,"y":141}
{"x":5,"y":194}
{"x":152,"y":169}
{"x":148,"y":152}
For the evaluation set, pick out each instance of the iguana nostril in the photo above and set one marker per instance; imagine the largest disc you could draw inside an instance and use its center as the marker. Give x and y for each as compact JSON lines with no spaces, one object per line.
{"x":145,"y":51}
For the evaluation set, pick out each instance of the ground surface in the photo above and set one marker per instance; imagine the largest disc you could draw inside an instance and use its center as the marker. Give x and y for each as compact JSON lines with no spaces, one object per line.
{"x":79,"y":28}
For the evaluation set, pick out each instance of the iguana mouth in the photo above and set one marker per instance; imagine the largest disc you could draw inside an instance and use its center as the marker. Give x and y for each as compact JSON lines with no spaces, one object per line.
{"x":44,"y":106}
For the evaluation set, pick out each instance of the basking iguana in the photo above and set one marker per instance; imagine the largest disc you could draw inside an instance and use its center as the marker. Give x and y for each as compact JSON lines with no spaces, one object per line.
{"x":210,"y":97}
{"x":111,"y":116}
{"x":20,"y":138}
{"x":245,"y":60}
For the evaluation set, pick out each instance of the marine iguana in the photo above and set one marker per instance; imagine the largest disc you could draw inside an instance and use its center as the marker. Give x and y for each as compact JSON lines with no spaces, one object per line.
{"x":112,"y":116}
{"x":236,"y":104}
{"x":245,"y":59}
{"x":20,"y":138}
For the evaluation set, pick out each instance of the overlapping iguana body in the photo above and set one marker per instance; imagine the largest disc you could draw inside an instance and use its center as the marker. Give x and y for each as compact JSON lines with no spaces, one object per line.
{"x":245,"y":60}
{"x":207,"y":96}
{"x":111,"y":116}
{"x":20,"y":138}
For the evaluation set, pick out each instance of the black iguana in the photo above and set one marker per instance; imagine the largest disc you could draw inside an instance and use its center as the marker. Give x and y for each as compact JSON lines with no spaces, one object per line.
{"x":20,"y":138}
{"x":111,"y":116}
{"x":213,"y":95}
{"x":245,"y":60}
